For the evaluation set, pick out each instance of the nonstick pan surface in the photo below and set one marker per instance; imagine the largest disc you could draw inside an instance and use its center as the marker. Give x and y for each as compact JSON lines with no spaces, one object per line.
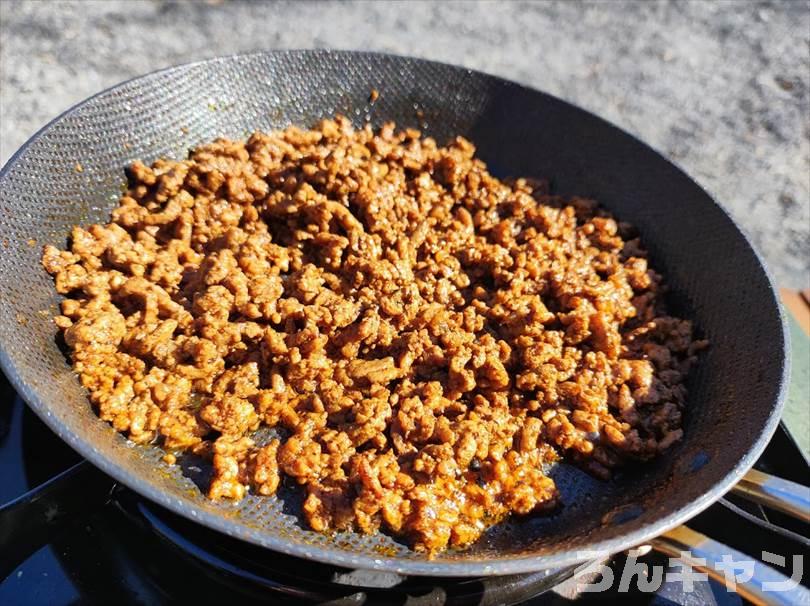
{"x":716,"y":279}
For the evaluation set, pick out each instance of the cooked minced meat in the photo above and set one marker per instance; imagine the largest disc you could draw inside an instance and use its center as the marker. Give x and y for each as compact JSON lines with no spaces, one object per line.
{"x":426,"y":337}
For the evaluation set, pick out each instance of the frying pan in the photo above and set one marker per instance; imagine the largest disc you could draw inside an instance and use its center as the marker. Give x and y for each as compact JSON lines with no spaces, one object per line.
{"x":71,"y":172}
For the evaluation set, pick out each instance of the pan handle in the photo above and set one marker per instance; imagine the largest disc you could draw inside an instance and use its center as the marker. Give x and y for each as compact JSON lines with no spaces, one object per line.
{"x":30,"y":520}
{"x":766,"y":586}
{"x":782,"y":495}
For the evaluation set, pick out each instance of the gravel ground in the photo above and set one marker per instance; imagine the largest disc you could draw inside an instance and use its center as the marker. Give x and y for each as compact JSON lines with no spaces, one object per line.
{"x":722,"y":88}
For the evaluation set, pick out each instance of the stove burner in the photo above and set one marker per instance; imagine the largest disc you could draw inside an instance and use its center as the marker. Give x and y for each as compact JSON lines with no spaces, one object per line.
{"x":244,"y":565}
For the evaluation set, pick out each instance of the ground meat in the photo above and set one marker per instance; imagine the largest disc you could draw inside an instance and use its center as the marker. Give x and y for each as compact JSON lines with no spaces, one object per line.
{"x":427,"y":338}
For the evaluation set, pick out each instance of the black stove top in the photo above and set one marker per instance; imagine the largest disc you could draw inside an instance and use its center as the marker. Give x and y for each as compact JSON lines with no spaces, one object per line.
{"x":113,"y":547}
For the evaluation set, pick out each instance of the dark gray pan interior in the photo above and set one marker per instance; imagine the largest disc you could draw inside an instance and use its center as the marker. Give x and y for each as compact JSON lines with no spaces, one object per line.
{"x":715,"y":275}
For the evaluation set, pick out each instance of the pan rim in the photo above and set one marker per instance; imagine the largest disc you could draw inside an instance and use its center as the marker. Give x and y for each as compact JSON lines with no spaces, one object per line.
{"x":419,"y":567}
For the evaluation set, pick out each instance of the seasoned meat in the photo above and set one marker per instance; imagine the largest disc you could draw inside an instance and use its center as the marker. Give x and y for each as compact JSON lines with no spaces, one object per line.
{"x":427,"y":338}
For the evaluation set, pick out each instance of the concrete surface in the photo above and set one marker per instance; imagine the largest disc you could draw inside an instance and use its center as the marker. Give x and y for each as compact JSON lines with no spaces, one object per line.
{"x":723,"y":88}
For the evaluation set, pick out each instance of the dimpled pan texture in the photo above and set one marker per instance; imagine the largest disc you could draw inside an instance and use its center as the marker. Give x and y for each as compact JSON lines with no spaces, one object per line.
{"x":716,"y":279}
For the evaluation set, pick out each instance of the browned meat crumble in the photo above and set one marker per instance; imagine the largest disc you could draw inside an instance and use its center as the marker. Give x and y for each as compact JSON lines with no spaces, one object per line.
{"x":428,"y":337}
